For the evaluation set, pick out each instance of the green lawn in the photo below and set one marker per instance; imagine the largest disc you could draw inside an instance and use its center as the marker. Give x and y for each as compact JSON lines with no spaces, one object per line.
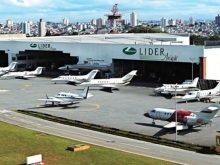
{"x":17,"y":143}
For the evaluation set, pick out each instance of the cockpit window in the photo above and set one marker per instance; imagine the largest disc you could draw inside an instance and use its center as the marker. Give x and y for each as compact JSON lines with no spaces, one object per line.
{"x":153,"y":111}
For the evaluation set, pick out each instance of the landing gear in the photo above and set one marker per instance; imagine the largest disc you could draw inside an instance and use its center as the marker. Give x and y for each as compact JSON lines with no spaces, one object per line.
{"x":55,"y":82}
{"x":153,"y":122}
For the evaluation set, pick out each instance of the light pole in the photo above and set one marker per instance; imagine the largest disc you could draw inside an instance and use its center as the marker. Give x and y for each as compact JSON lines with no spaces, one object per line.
{"x":192,"y":59}
{"x":175,"y":87}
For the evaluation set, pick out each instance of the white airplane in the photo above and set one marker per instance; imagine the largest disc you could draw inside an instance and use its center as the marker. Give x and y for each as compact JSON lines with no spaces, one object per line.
{"x":76,"y":79}
{"x":185,"y":118}
{"x":24,"y":74}
{"x":7,"y":69}
{"x":112,"y":83}
{"x":91,"y":65}
{"x":68,"y":98}
{"x":180,"y":88}
{"x":205,"y":95}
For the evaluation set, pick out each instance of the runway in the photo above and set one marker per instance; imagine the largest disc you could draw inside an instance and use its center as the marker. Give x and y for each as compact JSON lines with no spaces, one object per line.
{"x":110,"y":141}
{"x":121,"y":109}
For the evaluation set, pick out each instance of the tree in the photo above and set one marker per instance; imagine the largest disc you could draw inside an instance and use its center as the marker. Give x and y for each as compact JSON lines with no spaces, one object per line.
{"x":143,"y":29}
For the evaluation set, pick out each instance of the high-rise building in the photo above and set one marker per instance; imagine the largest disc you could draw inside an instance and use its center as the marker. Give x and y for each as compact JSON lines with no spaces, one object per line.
{"x":217,"y":19}
{"x":65,"y":21}
{"x":133,"y":19}
{"x":41,"y":28}
{"x":164,"y":22}
{"x":100,"y":22}
{"x":9,"y":22}
{"x":93,"y":22}
{"x":172,"y":22}
{"x":191,"y":21}
{"x":26,"y":28}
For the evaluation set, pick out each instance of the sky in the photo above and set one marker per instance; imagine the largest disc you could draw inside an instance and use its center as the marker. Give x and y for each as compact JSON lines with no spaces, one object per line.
{"x":86,"y":10}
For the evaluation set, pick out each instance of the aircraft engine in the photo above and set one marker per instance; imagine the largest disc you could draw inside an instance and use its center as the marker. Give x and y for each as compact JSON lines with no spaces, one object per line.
{"x":193,"y":120}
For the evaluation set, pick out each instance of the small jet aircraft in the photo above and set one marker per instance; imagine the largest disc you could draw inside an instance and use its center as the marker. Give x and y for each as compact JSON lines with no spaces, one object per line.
{"x":178,"y":88}
{"x":112,"y":83}
{"x":205,"y":95}
{"x":68,"y":98}
{"x":185,"y":118}
{"x":76,"y":79}
{"x":7,"y":69}
{"x":24,"y":74}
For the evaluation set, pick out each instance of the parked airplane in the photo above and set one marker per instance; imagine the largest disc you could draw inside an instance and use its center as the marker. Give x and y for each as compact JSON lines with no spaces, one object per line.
{"x":180,"y":88}
{"x":24,"y":74}
{"x":185,"y":118}
{"x":5,"y":70}
{"x":205,"y":95}
{"x":112,"y":83}
{"x":68,"y":98}
{"x":96,"y":64}
{"x":76,"y":79}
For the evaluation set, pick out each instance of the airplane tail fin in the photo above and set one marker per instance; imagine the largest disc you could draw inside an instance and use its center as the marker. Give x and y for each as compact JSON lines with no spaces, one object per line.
{"x":211,"y":110}
{"x":38,"y":71}
{"x":217,"y":88}
{"x":129,"y":76}
{"x":194,"y":82}
{"x":12,"y":66}
{"x":91,"y":75}
{"x":84,"y":93}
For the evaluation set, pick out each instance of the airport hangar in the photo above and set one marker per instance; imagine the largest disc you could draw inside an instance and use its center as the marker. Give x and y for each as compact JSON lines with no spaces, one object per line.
{"x":165,"y":55}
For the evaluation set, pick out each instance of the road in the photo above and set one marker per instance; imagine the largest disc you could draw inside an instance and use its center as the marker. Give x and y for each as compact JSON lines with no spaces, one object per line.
{"x":110,"y":141}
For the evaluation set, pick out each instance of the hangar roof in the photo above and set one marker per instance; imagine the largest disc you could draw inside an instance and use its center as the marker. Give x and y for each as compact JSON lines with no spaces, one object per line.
{"x":127,"y":38}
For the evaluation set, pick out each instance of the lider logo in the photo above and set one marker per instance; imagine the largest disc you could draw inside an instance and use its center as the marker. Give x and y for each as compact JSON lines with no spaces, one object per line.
{"x":129,"y":51}
{"x":33,"y":45}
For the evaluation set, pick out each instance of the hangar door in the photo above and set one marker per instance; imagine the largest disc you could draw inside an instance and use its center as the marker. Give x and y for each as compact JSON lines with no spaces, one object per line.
{"x":3,"y":59}
{"x":169,"y":72}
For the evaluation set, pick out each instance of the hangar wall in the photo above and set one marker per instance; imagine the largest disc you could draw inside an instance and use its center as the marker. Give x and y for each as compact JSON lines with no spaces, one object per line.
{"x":212,"y":55}
{"x":174,"y":53}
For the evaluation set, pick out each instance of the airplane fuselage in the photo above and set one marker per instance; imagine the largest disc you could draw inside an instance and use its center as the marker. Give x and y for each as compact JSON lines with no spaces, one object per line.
{"x":76,"y":79}
{"x":104,"y":82}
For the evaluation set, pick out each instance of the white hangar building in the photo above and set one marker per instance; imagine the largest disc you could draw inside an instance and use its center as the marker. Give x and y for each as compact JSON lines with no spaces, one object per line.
{"x":165,"y":55}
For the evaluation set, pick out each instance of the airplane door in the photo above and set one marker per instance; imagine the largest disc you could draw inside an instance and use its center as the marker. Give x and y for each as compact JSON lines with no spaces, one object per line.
{"x":157,"y":115}
{"x":197,"y":94}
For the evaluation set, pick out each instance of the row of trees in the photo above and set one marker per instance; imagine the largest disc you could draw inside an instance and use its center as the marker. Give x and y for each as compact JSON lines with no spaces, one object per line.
{"x":199,"y":40}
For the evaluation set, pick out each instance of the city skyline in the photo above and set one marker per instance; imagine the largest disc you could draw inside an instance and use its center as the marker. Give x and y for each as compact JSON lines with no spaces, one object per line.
{"x":86,"y":10}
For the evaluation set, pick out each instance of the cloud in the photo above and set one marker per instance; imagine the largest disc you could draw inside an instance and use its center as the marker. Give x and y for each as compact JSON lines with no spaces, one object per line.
{"x":29,"y":3}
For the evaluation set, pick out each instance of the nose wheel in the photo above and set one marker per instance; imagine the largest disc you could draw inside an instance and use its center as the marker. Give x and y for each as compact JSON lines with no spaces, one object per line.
{"x":153,"y":122}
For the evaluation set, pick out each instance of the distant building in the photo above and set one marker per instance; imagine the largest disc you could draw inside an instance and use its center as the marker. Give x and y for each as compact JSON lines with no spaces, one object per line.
{"x":133,"y":19}
{"x":26,"y":27}
{"x":9,"y":22}
{"x":164,"y":22}
{"x":172,"y":22}
{"x":124,"y":22}
{"x":100,"y":22}
{"x":66,"y":21}
{"x":93,"y":22}
{"x":217,"y":19}
{"x":191,"y":21}
{"x":41,"y":28}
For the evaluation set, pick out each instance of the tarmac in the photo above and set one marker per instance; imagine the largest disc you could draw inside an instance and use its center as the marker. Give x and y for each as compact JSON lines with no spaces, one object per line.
{"x":122,"y":109}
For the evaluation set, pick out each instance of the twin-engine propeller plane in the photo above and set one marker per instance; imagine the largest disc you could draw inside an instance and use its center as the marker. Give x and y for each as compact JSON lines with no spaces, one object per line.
{"x":7,"y":69}
{"x":24,"y":74}
{"x":68,"y":98}
{"x":76,"y":79}
{"x":185,"y":118}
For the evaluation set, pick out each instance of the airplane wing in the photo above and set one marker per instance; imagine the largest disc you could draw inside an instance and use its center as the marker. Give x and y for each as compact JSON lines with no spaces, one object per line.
{"x":170,"y":125}
{"x":179,"y":126}
{"x":29,"y":76}
{"x":52,"y":100}
{"x":109,"y":86}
